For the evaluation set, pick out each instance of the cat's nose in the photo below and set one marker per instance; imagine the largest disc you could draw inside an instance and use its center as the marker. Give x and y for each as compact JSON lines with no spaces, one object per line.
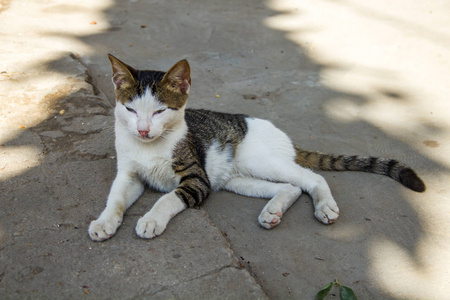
{"x":143,"y":133}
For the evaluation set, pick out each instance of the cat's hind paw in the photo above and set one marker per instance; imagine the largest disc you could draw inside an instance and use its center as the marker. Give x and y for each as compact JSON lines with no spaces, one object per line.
{"x":270,"y":217}
{"x":327,"y":213}
{"x":148,"y":228}
{"x":100,"y":230}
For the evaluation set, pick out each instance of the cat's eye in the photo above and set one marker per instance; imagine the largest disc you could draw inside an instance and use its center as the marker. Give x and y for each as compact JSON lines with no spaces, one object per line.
{"x":130,"y":109}
{"x":159,"y":111}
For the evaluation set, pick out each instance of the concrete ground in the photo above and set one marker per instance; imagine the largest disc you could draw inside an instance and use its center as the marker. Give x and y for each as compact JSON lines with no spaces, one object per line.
{"x":347,"y":77}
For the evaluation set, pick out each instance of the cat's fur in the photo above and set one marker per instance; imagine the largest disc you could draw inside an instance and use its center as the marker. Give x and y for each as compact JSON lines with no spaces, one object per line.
{"x":188,"y":153}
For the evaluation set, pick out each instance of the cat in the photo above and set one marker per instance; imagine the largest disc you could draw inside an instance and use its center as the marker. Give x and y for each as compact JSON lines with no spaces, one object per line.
{"x":187,"y":153}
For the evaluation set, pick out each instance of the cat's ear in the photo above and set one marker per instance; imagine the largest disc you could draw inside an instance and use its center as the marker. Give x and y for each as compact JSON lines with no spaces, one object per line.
{"x":178,"y":78}
{"x":124,"y":76}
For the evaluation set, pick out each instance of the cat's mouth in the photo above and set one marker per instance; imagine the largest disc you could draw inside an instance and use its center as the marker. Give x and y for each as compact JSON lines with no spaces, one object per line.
{"x":147,"y":138}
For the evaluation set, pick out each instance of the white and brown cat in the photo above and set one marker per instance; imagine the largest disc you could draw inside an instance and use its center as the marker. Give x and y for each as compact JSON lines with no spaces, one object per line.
{"x":188,"y":153}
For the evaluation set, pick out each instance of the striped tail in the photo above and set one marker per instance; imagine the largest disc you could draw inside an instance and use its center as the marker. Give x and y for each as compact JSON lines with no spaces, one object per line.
{"x":389,"y":167}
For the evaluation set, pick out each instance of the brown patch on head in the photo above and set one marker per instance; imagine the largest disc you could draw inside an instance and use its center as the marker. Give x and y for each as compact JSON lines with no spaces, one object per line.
{"x":173,"y":89}
{"x":124,"y":79}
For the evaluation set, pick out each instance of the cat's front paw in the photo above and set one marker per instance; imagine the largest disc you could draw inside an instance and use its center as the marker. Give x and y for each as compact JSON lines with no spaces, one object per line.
{"x":100,"y":230}
{"x":327,"y":213}
{"x":148,"y":227}
{"x":270,"y":217}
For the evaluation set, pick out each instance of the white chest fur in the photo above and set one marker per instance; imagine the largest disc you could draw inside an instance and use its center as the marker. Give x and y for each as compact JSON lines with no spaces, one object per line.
{"x":152,"y":162}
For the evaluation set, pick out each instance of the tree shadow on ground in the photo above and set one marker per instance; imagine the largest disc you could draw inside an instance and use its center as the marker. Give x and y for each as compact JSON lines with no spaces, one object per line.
{"x":239,"y":65}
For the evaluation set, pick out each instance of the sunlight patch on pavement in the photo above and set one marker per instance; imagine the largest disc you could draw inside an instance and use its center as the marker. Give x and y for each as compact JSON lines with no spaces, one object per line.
{"x":15,"y":160}
{"x":392,"y":73}
{"x":410,"y":275}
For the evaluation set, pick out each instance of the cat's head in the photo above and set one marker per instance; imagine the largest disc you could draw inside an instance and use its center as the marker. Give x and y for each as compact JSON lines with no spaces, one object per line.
{"x":150,"y":104}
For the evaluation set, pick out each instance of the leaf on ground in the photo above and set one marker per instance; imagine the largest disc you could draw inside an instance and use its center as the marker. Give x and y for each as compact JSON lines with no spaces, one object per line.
{"x":347,"y":293}
{"x":324,"y":292}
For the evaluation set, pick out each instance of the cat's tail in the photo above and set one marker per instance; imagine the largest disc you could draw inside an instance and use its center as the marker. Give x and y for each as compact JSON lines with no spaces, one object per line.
{"x":389,"y":167}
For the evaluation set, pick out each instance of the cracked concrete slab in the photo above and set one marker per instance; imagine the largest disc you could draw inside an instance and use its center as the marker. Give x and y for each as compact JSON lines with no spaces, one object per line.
{"x":57,"y":164}
{"x":343,"y":77}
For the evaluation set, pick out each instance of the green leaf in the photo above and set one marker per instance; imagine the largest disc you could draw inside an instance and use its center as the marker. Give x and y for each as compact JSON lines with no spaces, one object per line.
{"x":324,"y":292}
{"x":347,"y":293}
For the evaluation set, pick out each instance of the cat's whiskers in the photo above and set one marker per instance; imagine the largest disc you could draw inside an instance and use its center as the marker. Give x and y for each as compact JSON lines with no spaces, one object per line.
{"x":166,"y":133}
